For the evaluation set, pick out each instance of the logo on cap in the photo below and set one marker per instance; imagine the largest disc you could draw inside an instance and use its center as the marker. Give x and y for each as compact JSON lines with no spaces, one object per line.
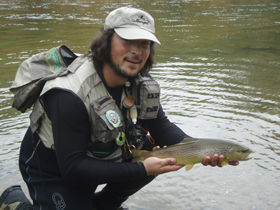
{"x":141,"y":20}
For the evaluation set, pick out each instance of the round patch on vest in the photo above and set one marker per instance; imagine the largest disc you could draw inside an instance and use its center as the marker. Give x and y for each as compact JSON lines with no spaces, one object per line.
{"x":113,"y":118}
{"x":54,"y":60}
{"x":120,"y":139}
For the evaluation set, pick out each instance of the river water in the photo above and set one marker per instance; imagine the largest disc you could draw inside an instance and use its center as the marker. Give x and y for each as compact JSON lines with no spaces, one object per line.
{"x":218,"y":67}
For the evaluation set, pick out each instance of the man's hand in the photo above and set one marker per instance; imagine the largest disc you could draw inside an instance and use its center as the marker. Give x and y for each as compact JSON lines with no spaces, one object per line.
{"x":156,"y":166}
{"x":217,"y":161}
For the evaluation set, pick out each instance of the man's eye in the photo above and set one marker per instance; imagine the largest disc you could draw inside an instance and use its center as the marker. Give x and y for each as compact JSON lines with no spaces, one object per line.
{"x":146,"y":43}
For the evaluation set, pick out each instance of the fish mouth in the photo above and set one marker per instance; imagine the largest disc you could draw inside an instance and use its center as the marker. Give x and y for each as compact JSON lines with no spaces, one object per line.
{"x":245,"y":159}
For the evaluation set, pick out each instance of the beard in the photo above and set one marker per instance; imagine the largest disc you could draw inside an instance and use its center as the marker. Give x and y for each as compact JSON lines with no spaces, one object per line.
{"x":121,"y":72}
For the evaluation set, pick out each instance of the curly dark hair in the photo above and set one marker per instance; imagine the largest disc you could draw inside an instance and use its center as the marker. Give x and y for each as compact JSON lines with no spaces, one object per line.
{"x":100,"y":51}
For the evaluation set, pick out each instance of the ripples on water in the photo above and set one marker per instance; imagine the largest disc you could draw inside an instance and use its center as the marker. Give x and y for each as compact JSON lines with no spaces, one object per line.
{"x":218,"y":67}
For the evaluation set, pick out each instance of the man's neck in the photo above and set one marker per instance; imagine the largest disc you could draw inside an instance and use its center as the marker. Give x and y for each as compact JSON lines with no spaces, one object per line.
{"x":111,"y":78}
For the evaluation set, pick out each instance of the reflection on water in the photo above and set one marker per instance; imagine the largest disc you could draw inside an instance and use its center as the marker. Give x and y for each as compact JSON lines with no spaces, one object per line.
{"x":218,"y":67}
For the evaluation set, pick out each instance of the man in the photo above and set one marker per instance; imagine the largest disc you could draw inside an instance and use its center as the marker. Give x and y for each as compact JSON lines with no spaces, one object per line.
{"x":84,"y":124}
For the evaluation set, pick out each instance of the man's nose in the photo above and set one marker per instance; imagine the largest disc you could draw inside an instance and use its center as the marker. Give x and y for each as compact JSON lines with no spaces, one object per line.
{"x":135,"y":47}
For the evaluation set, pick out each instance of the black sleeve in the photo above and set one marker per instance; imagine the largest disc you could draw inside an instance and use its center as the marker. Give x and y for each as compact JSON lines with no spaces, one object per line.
{"x":71,"y":131}
{"x":163,"y":131}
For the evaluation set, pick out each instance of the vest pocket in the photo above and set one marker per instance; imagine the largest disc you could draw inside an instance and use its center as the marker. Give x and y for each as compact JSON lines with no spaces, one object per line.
{"x":106,"y":120}
{"x":147,"y":94}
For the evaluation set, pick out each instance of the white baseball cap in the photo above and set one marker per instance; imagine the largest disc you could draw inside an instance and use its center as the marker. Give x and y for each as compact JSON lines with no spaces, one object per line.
{"x":130,"y":23}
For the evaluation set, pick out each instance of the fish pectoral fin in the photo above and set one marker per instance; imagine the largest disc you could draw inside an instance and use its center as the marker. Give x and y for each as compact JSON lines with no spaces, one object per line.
{"x":188,"y":167}
{"x":224,"y":163}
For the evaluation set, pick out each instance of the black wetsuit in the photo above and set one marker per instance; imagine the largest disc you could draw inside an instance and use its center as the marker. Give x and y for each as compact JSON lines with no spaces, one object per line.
{"x":66,"y":178}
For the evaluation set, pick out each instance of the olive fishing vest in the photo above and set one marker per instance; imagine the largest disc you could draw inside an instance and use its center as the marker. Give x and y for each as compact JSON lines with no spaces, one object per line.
{"x":107,"y":120}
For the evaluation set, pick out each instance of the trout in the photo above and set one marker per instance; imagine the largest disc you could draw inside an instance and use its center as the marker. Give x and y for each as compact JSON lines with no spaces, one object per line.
{"x":193,"y":150}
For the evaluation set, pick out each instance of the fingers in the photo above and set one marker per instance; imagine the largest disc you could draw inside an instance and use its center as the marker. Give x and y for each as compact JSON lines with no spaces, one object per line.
{"x":233,"y":163}
{"x":216,"y":160}
{"x":169,"y":165}
{"x":170,"y":161}
{"x":155,"y":166}
{"x":158,"y":147}
{"x":206,"y":161}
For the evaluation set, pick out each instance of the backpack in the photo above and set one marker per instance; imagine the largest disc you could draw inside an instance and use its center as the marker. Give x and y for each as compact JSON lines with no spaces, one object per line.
{"x":33,"y":73}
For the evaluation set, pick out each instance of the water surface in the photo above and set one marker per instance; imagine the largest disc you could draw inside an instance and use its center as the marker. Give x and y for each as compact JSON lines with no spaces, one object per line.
{"x":218,"y":67}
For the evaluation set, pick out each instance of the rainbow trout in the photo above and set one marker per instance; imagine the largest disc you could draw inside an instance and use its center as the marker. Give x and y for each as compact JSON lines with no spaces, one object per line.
{"x":193,"y":150}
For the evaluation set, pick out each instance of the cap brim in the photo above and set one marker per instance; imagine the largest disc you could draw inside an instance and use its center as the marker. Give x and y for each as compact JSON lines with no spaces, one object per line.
{"x":136,"y":33}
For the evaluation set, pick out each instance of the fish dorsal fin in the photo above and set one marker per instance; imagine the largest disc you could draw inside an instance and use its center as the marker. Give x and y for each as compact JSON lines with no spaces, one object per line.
{"x":188,"y":167}
{"x":187,"y":141}
{"x":155,"y":148}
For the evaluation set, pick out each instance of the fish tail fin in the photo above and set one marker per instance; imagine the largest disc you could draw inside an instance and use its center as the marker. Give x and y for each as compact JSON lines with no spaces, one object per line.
{"x":188,"y":167}
{"x":139,"y":155}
